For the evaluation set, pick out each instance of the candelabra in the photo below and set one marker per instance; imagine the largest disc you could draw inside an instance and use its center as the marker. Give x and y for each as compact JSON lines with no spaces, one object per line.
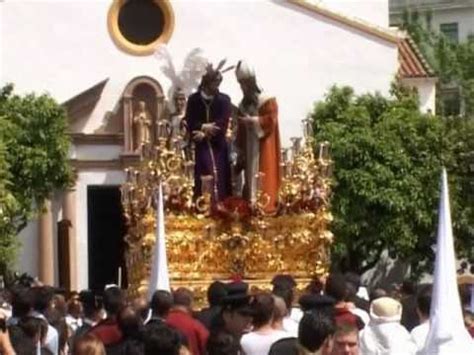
{"x":305,"y":178}
{"x":208,"y":239}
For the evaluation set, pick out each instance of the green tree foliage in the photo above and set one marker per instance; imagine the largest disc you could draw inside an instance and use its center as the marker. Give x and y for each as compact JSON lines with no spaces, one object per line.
{"x":453,"y":62}
{"x":388,"y":158}
{"x":33,"y":161}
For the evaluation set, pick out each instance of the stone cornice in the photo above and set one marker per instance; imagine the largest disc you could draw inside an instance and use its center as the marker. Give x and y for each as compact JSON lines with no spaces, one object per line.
{"x":126,"y":160}
{"x":97,"y":139}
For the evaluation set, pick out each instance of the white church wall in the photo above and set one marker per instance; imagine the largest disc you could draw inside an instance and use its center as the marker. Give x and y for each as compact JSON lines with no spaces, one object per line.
{"x":85,"y":179}
{"x":27,"y":257}
{"x":426,"y":88}
{"x":64,"y":48}
{"x":95,"y":152}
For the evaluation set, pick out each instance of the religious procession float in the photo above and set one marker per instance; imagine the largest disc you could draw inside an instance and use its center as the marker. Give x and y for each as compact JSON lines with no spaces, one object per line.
{"x":236,"y":204}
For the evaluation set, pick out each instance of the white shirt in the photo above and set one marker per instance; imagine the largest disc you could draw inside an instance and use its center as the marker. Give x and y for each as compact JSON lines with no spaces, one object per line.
{"x":52,"y":337}
{"x":292,"y":322}
{"x":73,"y":323}
{"x":419,"y":333}
{"x":255,"y":343}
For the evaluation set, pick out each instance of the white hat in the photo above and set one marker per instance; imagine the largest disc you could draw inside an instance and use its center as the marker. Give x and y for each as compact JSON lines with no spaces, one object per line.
{"x":386,"y":309}
{"x":244,"y":71}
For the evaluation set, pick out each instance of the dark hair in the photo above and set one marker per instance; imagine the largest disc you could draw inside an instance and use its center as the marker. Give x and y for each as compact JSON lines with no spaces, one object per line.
{"x":315,"y":327}
{"x":423,"y":300}
{"x":315,"y":286}
{"x":42,"y":297}
{"x":22,"y":301}
{"x":183,"y":297}
{"x":263,"y":307}
{"x":114,"y":300}
{"x":161,"y":339}
{"x":352,"y":278}
{"x":33,"y":327}
{"x":209,"y":77}
{"x":161,"y":302}
{"x":283,"y":281}
{"x":408,"y":287}
{"x":351,"y":291}
{"x":215,"y":293}
{"x":336,"y":287}
{"x":222,"y":343}
{"x":91,"y":303}
{"x":377,"y":293}
{"x":129,"y":322}
{"x":285,"y":293}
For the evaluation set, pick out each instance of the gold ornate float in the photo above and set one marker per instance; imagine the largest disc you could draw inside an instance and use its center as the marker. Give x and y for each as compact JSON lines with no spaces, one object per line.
{"x":236,"y":239}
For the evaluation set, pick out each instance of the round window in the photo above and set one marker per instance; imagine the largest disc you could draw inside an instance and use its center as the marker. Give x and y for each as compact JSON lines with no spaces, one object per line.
{"x":138,"y":26}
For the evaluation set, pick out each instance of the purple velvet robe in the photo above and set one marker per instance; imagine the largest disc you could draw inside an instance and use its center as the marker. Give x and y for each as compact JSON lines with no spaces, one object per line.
{"x":211,"y":154}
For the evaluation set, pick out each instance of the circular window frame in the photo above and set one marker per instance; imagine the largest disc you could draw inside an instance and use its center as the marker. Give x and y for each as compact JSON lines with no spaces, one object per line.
{"x":136,"y":49}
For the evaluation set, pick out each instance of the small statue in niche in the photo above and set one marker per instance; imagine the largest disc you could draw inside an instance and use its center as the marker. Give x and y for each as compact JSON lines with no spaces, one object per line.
{"x":142,"y":125}
{"x":176,"y":118}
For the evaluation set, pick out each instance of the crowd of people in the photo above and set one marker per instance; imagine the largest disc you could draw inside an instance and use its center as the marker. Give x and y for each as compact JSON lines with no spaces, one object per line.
{"x":330,"y":318}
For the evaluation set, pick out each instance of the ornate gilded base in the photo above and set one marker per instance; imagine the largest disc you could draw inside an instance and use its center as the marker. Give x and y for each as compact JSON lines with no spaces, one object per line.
{"x":201,"y":250}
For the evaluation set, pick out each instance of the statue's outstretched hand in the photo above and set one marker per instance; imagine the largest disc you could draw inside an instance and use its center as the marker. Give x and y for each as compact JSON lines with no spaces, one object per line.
{"x":198,"y":136}
{"x":248,"y":119}
{"x":210,"y":129}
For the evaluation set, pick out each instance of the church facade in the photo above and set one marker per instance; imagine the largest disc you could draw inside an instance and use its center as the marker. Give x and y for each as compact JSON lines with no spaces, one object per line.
{"x":91,"y":56}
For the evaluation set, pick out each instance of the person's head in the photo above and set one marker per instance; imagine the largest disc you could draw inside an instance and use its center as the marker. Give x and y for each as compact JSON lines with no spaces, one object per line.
{"x":283,"y":281}
{"x":22,"y":301}
{"x":353,"y":279}
{"x":183,"y":298}
{"x":88,"y":345}
{"x":315,"y":286}
{"x":246,"y":77}
{"x":386,"y":309}
{"x":179,"y":100}
{"x":215,"y":293}
{"x":346,"y":341}
{"x":211,"y":81}
{"x":74,"y":308}
{"x":34,"y":328}
{"x":236,"y":313}
{"x":236,"y":320}
{"x":42,"y":298}
{"x":423,"y":302}
{"x":263,"y":307}
{"x":286,"y":294}
{"x":408,"y":288}
{"x":161,"y":339}
{"x":141,"y":306}
{"x":129,"y":322}
{"x":336,"y":287}
{"x":222,"y":343}
{"x":316,"y":330}
{"x":377,"y":293}
{"x":161,"y":303}
{"x":280,"y":311}
{"x":249,"y":87}
{"x":114,"y":300}
{"x":90,"y":304}
{"x":311,"y":301}
{"x":59,"y":302}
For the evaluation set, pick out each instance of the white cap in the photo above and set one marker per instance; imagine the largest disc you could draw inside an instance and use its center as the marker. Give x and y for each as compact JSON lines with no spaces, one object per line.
{"x":244,"y":71}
